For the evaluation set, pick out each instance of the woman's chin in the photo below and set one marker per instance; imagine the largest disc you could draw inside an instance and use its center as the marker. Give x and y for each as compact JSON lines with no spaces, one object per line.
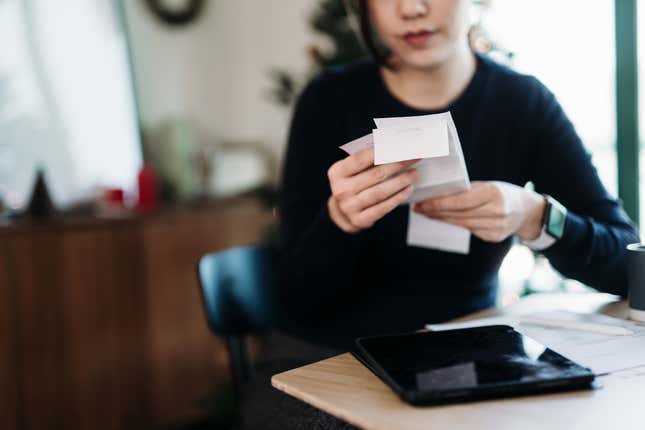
{"x":426,"y":59}
{"x":429,"y":57}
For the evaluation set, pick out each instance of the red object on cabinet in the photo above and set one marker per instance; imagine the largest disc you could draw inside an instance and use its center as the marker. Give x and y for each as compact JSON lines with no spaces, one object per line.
{"x":148,"y":189}
{"x":114,"y":197}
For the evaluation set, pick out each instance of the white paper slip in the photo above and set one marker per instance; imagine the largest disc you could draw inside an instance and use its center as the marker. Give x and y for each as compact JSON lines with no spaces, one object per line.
{"x":437,"y":190}
{"x":447,"y":174}
{"x":403,"y":138}
{"x":480,"y":322}
{"x":602,"y":343}
{"x":410,"y":142}
{"x":438,"y":176}
{"x":546,"y":321}
{"x":411,"y":121}
{"x":359,"y":144}
{"x":437,"y":170}
{"x":429,"y":233}
{"x":636,"y":374}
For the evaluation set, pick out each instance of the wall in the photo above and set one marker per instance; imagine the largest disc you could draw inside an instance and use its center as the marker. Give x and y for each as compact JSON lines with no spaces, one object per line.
{"x":215,"y":71}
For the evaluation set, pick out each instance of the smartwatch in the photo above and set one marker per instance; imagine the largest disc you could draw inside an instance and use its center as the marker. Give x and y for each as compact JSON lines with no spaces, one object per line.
{"x":553,"y":221}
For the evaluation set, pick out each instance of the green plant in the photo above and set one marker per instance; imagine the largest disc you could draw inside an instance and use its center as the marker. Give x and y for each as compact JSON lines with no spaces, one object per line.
{"x":329,"y":19}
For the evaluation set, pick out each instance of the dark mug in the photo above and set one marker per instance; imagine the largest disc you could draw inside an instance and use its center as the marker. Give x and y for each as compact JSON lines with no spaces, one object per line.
{"x":636,"y":256}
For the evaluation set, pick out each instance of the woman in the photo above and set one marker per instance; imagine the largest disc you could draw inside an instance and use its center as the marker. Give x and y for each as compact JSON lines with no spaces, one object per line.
{"x":347,"y":270}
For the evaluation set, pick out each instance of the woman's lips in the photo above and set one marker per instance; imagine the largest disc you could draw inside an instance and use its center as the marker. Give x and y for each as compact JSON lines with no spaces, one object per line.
{"x":418,"y":39}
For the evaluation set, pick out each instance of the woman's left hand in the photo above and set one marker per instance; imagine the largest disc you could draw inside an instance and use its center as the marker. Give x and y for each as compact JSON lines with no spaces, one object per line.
{"x":491,"y":210}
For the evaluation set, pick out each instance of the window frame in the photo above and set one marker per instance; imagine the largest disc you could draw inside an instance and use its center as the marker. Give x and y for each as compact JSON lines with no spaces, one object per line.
{"x":627,"y":128}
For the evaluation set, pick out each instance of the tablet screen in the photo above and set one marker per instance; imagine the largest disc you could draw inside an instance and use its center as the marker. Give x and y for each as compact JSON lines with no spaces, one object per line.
{"x":467,"y":358}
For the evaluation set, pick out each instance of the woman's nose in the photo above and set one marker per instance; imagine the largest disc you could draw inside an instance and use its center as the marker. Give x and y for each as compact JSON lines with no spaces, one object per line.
{"x":413,"y":8}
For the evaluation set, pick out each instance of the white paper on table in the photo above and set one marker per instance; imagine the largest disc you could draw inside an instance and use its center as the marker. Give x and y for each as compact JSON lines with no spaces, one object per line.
{"x":423,"y":140}
{"x":600,"y":350}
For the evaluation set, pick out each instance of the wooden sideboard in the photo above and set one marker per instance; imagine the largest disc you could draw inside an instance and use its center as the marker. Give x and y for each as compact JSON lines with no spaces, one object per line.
{"x":101,"y":322}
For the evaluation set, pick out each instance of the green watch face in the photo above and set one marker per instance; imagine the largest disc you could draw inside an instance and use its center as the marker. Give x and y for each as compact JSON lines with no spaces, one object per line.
{"x":556,"y":219}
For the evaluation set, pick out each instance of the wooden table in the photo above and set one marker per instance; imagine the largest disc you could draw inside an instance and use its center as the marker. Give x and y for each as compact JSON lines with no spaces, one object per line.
{"x":343,"y":387}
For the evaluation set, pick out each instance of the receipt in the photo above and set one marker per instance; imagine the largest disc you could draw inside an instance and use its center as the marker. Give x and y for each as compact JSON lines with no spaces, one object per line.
{"x":407,"y":143}
{"x":442,"y":171}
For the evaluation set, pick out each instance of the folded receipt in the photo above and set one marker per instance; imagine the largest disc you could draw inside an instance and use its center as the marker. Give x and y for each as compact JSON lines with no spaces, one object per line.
{"x":432,"y":139}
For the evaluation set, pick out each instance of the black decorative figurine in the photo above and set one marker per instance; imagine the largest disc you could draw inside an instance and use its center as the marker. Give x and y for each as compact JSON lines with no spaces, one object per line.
{"x":40,"y":204}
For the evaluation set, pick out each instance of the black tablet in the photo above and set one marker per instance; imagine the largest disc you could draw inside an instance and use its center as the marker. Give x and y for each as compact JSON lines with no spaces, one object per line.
{"x":468,"y":364}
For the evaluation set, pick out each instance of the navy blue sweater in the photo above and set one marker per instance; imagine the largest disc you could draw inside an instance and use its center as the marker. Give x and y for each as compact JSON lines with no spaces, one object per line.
{"x":335,"y":286}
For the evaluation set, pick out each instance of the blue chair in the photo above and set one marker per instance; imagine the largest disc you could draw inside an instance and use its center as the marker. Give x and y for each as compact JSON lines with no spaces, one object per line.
{"x":235,"y":286}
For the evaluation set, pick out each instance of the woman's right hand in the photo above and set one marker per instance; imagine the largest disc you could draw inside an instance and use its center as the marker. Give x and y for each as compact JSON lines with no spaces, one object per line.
{"x":363,"y":193}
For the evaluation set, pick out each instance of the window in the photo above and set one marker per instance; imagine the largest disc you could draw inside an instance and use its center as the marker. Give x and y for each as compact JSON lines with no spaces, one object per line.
{"x":570,"y":47}
{"x":641,"y":119}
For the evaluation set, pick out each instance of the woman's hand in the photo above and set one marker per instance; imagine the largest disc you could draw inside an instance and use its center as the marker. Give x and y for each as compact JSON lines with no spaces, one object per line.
{"x":363,"y":193}
{"x":492,"y":211}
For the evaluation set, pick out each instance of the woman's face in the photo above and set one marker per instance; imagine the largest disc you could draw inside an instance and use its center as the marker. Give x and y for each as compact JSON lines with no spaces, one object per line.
{"x":421,"y":33}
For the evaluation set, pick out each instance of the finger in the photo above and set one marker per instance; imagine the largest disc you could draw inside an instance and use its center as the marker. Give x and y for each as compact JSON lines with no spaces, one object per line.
{"x":339,"y":218}
{"x":380,"y":192}
{"x":473,"y":198}
{"x":369,"y":216}
{"x":353,"y":164}
{"x":476,"y":223}
{"x":375,"y":175}
{"x":487,"y":210}
{"x":489,"y":235}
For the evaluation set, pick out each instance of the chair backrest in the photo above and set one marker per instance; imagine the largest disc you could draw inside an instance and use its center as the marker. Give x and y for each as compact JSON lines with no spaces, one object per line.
{"x":235,"y":286}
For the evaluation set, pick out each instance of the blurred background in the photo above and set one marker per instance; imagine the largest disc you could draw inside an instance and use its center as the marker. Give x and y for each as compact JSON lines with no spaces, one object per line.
{"x":138,"y":135}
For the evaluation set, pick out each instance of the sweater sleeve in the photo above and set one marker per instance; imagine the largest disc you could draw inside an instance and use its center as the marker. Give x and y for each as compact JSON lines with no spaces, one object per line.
{"x":316,"y":257}
{"x":592,"y":248}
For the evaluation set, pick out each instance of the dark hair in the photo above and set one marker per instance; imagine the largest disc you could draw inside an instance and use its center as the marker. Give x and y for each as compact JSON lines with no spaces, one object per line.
{"x":368,"y":35}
